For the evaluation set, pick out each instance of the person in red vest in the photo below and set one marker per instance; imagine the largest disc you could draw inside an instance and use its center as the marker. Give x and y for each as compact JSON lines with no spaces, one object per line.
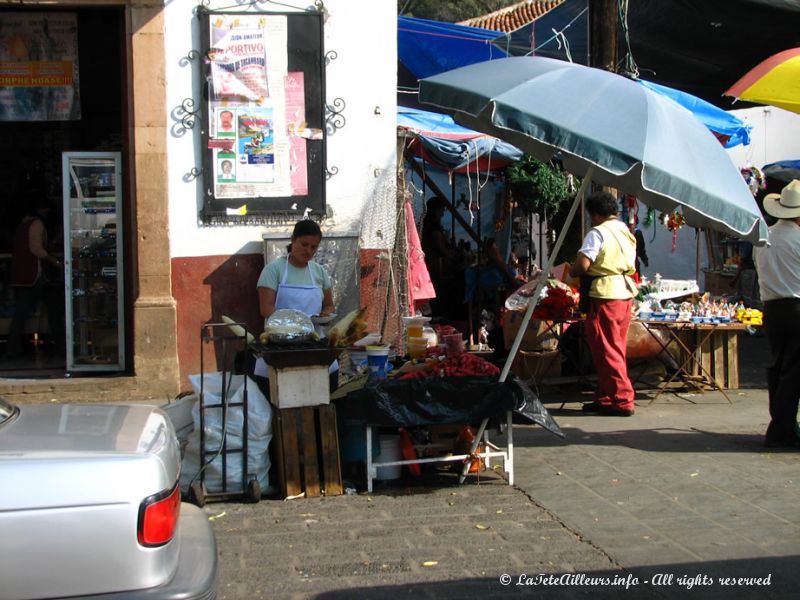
{"x":27,"y":268}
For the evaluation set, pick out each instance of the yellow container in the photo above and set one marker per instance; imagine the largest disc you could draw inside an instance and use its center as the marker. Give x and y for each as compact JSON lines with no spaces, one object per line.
{"x":417,"y":350}
{"x":414,"y":331}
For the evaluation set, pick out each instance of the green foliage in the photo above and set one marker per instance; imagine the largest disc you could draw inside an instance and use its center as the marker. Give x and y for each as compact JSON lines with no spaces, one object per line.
{"x":537,"y":187}
{"x":644,"y":290}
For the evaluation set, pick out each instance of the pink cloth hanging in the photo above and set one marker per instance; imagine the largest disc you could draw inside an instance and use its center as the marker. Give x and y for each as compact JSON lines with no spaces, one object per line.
{"x":420,"y":286}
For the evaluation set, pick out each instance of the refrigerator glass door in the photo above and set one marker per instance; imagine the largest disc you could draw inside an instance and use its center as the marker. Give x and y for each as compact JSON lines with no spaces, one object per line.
{"x":93,"y":261}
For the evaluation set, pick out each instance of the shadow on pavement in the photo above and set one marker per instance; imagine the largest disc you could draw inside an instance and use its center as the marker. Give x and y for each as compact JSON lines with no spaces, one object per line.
{"x":662,"y":439}
{"x":769,"y":578}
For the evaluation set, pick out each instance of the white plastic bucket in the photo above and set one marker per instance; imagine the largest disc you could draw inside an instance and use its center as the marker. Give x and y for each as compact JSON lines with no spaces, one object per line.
{"x":377,"y":359}
{"x":390,"y":452}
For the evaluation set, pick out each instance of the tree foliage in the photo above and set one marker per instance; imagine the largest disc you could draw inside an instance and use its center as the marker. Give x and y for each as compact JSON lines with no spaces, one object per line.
{"x":449,"y":11}
{"x":537,"y":187}
{"x":543,"y":189}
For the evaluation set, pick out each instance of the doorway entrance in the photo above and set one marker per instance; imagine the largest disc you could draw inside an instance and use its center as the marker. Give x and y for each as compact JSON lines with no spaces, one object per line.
{"x":37,"y":128}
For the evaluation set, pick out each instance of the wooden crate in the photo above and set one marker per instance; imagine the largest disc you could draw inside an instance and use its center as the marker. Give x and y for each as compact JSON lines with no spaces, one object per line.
{"x":719,"y":356}
{"x":306,"y":451}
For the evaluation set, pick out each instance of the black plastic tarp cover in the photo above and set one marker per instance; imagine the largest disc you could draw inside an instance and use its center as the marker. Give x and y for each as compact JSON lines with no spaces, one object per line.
{"x":443,"y":401}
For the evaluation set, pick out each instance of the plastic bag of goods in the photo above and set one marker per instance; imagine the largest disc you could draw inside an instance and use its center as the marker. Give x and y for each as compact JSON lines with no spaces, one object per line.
{"x":288,"y":326}
{"x":259,"y":434}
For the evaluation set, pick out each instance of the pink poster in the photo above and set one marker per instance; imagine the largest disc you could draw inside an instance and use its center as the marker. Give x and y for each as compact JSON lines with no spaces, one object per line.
{"x":296,"y":129}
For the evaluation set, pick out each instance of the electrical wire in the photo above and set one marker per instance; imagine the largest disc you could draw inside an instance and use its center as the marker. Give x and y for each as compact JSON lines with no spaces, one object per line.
{"x":630,"y":64}
{"x":555,"y":36}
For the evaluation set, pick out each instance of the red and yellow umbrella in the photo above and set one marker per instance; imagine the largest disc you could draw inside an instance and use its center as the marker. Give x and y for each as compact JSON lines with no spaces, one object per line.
{"x":774,"y":81}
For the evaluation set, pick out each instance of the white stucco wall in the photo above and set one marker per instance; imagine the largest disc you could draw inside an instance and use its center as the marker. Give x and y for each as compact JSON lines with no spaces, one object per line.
{"x":775,"y":136}
{"x":361,"y":196}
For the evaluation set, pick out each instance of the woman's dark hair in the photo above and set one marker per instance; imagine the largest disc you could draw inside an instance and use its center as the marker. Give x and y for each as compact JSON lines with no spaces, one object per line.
{"x":602,"y":204}
{"x":35,"y":199}
{"x":303,"y":228}
{"x":435,"y":203}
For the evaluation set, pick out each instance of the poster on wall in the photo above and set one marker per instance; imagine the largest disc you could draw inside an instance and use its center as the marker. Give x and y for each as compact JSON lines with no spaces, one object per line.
{"x":265,"y":111}
{"x":239,"y":63}
{"x":39,"y":67}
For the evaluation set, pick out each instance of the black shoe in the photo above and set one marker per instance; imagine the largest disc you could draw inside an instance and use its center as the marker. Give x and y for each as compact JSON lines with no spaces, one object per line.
{"x":793,"y":442}
{"x":608,"y":410}
{"x":615,"y":411}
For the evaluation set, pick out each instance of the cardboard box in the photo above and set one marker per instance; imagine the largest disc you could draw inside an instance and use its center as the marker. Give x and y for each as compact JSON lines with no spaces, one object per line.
{"x":537,"y":365}
{"x":539,"y":336}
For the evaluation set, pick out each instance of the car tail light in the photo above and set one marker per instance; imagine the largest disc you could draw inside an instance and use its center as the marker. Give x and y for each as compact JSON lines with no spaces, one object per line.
{"x":158,"y":517}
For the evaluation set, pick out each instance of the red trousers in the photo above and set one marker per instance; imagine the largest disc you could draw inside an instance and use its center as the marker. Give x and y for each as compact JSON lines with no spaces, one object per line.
{"x":607,"y":334}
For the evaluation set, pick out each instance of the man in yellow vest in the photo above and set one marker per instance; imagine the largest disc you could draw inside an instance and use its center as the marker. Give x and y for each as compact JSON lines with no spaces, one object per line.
{"x":608,"y":258}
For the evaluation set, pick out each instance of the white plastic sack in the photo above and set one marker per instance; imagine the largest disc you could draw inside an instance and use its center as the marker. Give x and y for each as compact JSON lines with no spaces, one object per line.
{"x":259,"y":433}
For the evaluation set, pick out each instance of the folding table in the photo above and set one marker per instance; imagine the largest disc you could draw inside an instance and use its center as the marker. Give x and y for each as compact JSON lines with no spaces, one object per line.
{"x":694,"y":357}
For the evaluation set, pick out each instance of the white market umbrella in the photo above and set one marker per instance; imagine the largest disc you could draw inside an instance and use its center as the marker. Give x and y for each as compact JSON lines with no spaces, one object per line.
{"x":607,"y":129}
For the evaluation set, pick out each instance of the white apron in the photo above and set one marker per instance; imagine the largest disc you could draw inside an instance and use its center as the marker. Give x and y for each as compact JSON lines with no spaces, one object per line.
{"x":305,"y":298}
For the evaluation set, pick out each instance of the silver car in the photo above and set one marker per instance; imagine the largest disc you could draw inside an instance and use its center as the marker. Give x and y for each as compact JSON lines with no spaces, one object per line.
{"x":90,"y":506}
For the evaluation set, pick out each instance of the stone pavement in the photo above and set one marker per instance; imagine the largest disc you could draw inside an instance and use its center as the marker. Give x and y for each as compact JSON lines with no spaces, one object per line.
{"x":681,"y":495}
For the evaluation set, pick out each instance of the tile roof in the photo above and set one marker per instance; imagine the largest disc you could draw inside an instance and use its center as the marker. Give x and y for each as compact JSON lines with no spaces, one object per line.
{"x":512,"y":17}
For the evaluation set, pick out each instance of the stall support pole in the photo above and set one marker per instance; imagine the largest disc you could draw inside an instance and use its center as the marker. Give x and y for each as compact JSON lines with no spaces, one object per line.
{"x":438,"y":192}
{"x":532,"y":305}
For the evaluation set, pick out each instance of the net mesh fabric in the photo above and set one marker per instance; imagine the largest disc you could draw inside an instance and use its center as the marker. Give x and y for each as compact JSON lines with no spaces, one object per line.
{"x":384,"y":282}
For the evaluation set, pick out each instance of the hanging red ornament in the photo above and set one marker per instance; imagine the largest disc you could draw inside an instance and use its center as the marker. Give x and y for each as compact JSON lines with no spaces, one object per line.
{"x":673,"y":221}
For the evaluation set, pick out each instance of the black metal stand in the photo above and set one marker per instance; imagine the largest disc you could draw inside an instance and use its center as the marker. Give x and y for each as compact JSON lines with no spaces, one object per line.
{"x":250,"y":489}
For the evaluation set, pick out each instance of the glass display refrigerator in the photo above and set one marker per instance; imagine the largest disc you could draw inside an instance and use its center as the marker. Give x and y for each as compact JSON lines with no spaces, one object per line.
{"x":92,"y":187}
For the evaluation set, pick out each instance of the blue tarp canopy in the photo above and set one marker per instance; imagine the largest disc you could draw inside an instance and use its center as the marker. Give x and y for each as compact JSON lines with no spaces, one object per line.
{"x":729,"y":129}
{"x":429,"y":47}
{"x":443,"y":143}
{"x":784,"y":169}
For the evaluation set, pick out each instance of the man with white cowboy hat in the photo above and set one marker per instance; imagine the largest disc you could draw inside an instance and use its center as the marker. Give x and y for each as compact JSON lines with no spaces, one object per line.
{"x":778,"y":266}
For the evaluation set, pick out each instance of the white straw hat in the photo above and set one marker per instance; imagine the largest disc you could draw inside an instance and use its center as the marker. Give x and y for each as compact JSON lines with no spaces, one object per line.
{"x":785,"y":205}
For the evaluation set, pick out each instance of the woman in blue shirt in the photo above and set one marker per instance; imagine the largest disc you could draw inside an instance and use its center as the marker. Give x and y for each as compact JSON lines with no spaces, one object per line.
{"x":295,"y":280}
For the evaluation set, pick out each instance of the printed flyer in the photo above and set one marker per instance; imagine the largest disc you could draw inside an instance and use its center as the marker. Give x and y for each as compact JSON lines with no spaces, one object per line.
{"x":248,"y":139}
{"x":239,"y":64}
{"x":39,"y":67}
{"x":256,"y":146}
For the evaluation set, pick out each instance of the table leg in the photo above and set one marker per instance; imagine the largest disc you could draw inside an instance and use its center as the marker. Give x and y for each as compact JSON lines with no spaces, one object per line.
{"x":674,"y":336}
{"x":692,"y":358}
{"x":369,"y":459}
{"x":487,"y":460}
{"x":509,"y":462}
{"x":473,"y":448}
